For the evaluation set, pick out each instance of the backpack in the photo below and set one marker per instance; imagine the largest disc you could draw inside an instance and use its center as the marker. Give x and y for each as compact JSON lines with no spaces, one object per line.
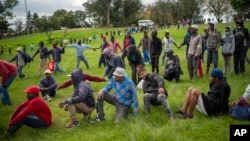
{"x":27,"y":58}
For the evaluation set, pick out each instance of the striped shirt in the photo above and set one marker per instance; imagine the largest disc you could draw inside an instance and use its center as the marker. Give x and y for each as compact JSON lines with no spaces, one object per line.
{"x":195,"y":45}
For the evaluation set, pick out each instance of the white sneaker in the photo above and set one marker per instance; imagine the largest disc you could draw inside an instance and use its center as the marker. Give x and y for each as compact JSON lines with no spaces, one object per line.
{"x":49,"y":98}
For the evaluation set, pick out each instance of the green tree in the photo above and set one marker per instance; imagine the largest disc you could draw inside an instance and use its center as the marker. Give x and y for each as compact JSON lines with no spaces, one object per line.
{"x":6,"y":14}
{"x":45,"y":25}
{"x":242,"y":7}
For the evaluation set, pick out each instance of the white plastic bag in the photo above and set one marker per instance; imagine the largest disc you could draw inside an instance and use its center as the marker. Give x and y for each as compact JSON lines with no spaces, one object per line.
{"x":139,"y":86}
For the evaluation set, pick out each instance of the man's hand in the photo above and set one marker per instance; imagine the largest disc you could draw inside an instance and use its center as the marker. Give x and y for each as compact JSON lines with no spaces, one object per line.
{"x":161,"y":91}
{"x":234,"y":103}
{"x":100,"y":95}
{"x":61,"y":104}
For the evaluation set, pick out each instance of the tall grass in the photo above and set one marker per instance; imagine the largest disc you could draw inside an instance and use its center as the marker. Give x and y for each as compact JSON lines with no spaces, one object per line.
{"x":155,"y":127}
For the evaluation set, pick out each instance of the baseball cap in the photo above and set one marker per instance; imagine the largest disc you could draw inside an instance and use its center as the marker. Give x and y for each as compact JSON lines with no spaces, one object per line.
{"x":194,"y":26}
{"x":119,"y":72}
{"x":19,"y":49}
{"x":47,"y":71}
{"x":32,"y":89}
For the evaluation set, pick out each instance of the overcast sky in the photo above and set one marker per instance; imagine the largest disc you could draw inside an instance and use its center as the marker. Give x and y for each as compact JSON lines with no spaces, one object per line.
{"x":47,"y":7}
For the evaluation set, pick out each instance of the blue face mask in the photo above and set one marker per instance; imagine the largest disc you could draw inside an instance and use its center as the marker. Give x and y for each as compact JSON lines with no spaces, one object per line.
{"x":227,"y":33}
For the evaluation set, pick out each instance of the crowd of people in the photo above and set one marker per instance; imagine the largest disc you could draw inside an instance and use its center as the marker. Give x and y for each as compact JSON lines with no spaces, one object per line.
{"x":37,"y":114}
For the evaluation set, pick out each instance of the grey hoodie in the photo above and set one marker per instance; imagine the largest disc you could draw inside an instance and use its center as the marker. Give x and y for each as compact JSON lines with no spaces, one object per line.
{"x":228,"y":43}
{"x":82,"y":91}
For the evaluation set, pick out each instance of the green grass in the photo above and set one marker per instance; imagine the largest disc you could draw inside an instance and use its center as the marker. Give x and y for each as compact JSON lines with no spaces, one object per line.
{"x":156,"y":127}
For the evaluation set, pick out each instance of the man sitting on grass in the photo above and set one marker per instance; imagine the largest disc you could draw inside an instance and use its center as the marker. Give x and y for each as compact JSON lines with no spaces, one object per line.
{"x":34,"y":112}
{"x":215,"y":102}
{"x":154,"y":91}
{"x":82,"y":100}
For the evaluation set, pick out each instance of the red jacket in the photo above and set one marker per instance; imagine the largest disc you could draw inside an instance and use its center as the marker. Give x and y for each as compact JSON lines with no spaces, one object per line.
{"x":36,"y":106}
{"x":7,"y":70}
{"x":84,"y":78}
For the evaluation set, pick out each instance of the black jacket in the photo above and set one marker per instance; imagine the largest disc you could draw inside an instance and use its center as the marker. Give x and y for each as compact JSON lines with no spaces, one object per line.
{"x":134,"y":55}
{"x":156,"y":46}
{"x":152,"y":83}
{"x":217,"y":98}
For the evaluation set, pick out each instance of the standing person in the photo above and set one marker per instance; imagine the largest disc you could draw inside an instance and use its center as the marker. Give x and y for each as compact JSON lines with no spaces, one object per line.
{"x":154,"y":91}
{"x":102,"y":47}
{"x":112,"y":61}
{"x":8,"y":73}
{"x":128,"y":40}
{"x":194,"y":52}
{"x":31,"y":47}
{"x":186,"y":40}
{"x":80,"y":48}
{"x":172,"y":68}
{"x":145,"y":42}
{"x":134,"y":59}
{"x":168,"y":43}
{"x":20,"y":62}
{"x":213,"y":43}
{"x":155,"y":51}
{"x":228,"y":47}
{"x":34,"y":112}
{"x":9,"y":49}
{"x":123,"y":98}
{"x":215,"y":102}
{"x":42,"y":50}
{"x":241,"y":35}
{"x":114,"y":45}
{"x":48,"y":86}
{"x":82,"y":100}
{"x":56,"y":55}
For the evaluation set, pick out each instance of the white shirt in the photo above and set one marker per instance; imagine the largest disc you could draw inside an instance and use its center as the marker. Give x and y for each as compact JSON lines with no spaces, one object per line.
{"x":168,"y":43}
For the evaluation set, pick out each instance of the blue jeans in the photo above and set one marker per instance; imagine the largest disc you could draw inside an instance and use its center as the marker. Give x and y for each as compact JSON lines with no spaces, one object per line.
{"x":4,"y":91}
{"x":163,"y":57}
{"x":101,"y":61}
{"x":31,"y":121}
{"x":20,"y":72}
{"x":212,"y":57}
{"x":81,"y":58}
{"x":145,"y":56}
{"x":57,"y":69}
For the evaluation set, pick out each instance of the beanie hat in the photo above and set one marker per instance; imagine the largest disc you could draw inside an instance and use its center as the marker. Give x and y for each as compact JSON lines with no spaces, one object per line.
{"x":107,"y":51}
{"x":217,"y":73}
{"x":140,"y":69}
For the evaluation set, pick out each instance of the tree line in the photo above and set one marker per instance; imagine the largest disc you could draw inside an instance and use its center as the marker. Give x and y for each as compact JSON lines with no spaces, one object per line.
{"x":120,"y":13}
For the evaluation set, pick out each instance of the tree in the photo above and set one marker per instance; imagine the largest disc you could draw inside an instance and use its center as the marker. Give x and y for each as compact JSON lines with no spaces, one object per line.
{"x":241,"y":6}
{"x":5,"y":14}
{"x":45,"y":24}
{"x":19,"y":26}
{"x":79,"y":18}
{"x":217,"y":7}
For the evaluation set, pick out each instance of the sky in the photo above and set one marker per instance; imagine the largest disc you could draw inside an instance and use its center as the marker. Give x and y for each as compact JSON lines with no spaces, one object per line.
{"x":48,"y":7}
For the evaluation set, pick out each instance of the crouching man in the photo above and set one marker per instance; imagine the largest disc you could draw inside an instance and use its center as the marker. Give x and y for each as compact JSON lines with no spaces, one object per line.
{"x":82,"y":100}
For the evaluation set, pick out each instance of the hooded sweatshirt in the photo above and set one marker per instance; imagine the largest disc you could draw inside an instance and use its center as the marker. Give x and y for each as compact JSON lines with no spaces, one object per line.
{"x":134,"y":55}
{"x":228,"y":43}
{"x":82,"y":91}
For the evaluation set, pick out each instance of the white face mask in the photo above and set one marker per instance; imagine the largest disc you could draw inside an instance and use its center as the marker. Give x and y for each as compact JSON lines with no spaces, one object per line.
{"x":239,"y":27}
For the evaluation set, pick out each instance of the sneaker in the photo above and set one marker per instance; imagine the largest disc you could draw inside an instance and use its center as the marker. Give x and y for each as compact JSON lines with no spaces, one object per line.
{"x":97,"y":119}
{"x":49,"y":98}
{"x":187,"y":116}
{"x":72,"y":124}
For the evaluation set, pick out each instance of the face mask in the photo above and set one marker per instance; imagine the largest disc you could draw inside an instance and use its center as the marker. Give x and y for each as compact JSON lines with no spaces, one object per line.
{"x":239,"y":27}
{"x":227,"y":33}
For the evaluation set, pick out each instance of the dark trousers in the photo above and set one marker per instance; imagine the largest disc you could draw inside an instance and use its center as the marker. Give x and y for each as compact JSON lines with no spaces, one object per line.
{"x":172,"y":75}
{"x":101,"y":61}
{"x":121,"y":110}
{"x":51,"y":93}
{"x":239,"y":60}
{"x":135,"y":79}
{"x":155,"y":63}
{"x":124,"y":54}
{"x":31,"y":120}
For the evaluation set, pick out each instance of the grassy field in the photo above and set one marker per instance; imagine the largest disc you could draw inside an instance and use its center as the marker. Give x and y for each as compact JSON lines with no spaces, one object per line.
{"x":155,"y":127}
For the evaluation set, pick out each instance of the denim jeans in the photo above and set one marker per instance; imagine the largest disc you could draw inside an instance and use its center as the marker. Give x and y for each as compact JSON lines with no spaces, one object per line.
{"x":57,"y":69}
{"x":20,"y":72}
{"x":81,"y":58}
{"x":31,"y":121}
{"x":4,"y":91}
{"x":145,"y":56}
{"x":101,"y":61}
{"x":163,"y":57}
